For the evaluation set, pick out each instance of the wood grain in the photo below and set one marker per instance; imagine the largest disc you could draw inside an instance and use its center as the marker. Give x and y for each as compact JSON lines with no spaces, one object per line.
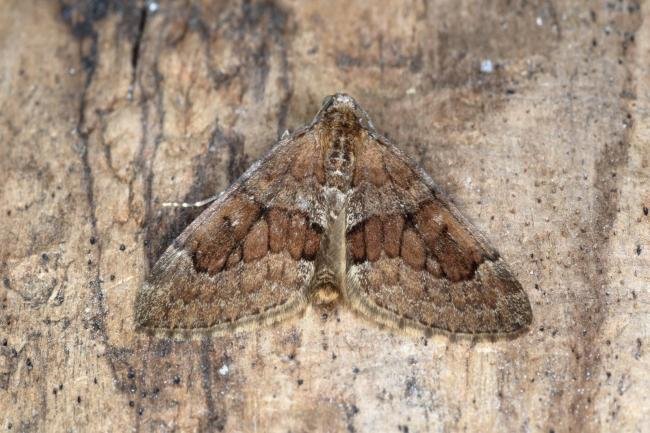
{"x":108,"y":109}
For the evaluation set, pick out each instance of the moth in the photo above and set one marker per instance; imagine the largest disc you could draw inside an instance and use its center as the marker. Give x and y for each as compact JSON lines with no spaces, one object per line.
{"x":333,"y":215}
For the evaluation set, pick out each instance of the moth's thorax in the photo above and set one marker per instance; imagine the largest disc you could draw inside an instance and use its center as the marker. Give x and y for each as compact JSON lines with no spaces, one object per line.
{"x":340,"y":131}
{"x":339,"y":163}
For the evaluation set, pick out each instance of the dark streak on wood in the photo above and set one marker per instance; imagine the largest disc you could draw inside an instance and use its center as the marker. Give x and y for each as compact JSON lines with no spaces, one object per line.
{"x":424,"y":82}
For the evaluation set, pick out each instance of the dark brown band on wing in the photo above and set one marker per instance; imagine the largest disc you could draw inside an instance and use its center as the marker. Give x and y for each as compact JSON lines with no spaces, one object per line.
{"x":426,"y":239}
{"x":242,"y":230}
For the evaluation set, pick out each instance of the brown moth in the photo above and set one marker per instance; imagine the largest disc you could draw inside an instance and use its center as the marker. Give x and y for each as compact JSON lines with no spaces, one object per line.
{"x":334,"y":214}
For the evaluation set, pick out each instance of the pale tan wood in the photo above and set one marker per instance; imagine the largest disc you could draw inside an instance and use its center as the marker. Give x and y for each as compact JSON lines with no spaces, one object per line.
{"x":547,"y":152}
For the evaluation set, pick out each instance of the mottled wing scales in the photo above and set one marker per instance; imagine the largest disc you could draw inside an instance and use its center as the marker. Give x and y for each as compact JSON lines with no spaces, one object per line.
{"x":178,"y":299}
{"x":249,"y":256}
{"x":413,"y":261}
{"x":332,"y":200}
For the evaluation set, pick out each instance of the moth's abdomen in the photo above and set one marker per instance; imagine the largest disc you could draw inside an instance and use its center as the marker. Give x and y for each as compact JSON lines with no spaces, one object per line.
{"x":324,"y":288}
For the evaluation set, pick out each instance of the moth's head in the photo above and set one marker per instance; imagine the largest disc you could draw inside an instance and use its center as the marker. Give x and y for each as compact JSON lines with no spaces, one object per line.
{"x":341,"y":111}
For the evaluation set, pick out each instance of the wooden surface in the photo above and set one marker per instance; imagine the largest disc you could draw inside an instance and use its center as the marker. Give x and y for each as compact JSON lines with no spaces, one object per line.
{"x":109,"y":109}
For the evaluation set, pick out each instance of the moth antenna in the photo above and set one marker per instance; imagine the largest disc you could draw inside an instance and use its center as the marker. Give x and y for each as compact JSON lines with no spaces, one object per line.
{"x":200,"y":203}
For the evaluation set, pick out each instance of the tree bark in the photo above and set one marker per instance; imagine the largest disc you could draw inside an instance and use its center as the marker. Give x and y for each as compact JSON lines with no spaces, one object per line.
{"x":533,"y":116}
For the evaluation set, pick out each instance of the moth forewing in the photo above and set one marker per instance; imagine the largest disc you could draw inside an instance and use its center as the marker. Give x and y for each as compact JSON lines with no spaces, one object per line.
{"x":334,"y":215}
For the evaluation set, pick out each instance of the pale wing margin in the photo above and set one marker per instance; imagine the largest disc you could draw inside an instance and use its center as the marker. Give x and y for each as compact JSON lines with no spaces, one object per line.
{"x":414,"y":262}
{"x":232,"y":267}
